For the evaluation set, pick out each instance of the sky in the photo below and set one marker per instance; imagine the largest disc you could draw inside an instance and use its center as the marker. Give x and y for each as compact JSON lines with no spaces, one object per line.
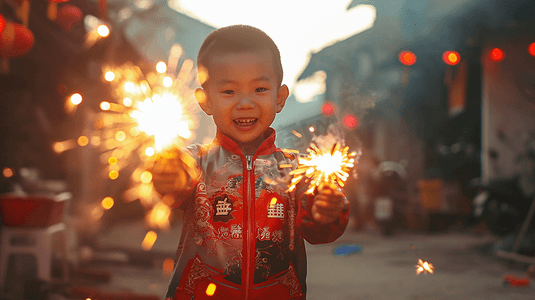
{"x":298,"y":27}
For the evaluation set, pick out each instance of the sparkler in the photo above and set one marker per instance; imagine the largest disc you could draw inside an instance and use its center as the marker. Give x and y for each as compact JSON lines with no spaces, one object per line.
{"x":323,"y":167}
{"x":150,"y":114}
{"x":422,"y":266}
{"x":147,"y":114}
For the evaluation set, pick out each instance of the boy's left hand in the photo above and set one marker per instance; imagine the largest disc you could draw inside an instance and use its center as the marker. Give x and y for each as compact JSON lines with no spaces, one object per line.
{"x":328,"y":204}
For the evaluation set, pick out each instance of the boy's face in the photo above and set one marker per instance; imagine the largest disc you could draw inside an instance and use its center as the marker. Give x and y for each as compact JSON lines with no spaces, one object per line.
{"x":243,"y":95}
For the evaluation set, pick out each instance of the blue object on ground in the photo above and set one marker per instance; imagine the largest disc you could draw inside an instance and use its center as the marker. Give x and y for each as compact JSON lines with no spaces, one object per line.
{"x":346,"y":249}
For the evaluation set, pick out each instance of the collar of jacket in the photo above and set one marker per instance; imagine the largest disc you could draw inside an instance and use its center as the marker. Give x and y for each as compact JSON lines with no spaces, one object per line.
{"x":267,"y":147}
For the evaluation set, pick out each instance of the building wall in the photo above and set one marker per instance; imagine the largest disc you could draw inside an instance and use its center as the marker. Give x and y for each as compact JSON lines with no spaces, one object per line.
{"x":508,"y":101}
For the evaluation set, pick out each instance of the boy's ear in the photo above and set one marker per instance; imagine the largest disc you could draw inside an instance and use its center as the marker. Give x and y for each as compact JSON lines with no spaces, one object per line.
{"x":202,"y":99}
{"x":282,"y":95}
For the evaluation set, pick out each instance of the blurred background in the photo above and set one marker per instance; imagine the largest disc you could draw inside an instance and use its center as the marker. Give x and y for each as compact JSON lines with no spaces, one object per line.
{"x":437,"y":96}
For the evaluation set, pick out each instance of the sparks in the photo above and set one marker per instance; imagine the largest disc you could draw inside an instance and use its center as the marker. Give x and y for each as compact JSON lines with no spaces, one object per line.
{"x":323,"y":167}
{"x":146,"y":115}
{"x":154,"y":106}
{"x":423,"y":266}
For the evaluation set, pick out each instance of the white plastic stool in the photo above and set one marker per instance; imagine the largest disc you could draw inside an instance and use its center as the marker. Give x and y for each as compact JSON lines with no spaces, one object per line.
{"x":34,"y":241}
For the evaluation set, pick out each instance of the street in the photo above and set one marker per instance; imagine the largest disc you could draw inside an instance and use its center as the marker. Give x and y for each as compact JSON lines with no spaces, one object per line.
{"x":464,"y":267}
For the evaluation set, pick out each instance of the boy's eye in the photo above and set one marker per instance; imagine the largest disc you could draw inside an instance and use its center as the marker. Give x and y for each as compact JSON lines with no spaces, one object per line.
{"x":259,"y":90}
{"x":228,"y":92}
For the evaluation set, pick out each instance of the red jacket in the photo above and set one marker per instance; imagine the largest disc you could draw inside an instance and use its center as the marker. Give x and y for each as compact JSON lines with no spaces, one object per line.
{"x":242,"y":232}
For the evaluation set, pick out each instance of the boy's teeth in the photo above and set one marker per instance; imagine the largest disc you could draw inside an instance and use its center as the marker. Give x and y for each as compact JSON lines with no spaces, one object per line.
{"x":245,"y":121}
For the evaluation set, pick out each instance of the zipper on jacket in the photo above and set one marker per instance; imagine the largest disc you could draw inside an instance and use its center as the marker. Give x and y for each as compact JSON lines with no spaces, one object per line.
{"x":249,"y":162}
{"x":249,"y":227}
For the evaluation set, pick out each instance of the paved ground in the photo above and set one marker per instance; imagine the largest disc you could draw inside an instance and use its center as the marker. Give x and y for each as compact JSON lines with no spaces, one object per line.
{"x":465,"y":267}
{"x":385,"y":269}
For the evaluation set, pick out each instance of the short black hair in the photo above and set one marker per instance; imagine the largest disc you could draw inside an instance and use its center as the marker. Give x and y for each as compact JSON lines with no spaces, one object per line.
{"x":238,"y":38}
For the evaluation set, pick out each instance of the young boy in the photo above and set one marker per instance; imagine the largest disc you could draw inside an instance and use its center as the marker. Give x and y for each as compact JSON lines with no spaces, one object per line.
{"x":243,"y":233}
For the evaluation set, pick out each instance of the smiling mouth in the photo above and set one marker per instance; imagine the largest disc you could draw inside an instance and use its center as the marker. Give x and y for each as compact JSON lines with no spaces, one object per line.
{"x":245,"y":121}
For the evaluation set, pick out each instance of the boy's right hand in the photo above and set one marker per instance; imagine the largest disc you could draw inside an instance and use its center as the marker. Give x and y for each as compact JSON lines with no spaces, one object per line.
{"x":173,"y":173}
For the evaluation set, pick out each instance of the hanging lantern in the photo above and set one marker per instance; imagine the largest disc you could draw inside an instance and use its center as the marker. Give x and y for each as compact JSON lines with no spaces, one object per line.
{"x":53,"y":8}
{"x":68,"y":16}
{"x":23,"y":10}
{"x":15,"y":40}
{"x":2,"y":23}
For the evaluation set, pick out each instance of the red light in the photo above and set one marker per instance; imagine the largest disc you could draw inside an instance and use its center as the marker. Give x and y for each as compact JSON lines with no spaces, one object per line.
{"x":327,"y":109}
{"x":531,"y":49}
{"x":407,"y":58}
{"x":496,"y":54}
{"x":351,"y":122}
{"x":451,"y":57}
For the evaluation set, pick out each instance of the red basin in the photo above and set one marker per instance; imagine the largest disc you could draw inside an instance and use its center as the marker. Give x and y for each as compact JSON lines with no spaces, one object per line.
{"x":30,"y":211}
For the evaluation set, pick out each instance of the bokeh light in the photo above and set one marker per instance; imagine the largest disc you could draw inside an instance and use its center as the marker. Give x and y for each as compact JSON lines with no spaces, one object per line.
{"x":451,"y":57}
{"x":83,"y":140}
{"x":113,"y":174}
{"x":350,"y":121}
{"x":129,"y":87}
{"x":327,"y":108}
{"x":104,"y":105}
{"x":496,"y":54}
{"x":161,"y":67}
{"x":112,"y":160}
{"x":120,"y":135}
{"x":149,"y":240}
{"x":158,"y":217}
{"x":146,"y":177}
{"x":210,"y":290}
{"x":107,"y":203}
{"x":7,"y":172}
{"x":103,"y":30}
{"x":407,"y":58}
{"x":150,"y":151}
{"x":76,"y":98}
{"x":531,"y":49}
{"x":167,"y":81}
{"x":109,"y":76}
{"x":168,"y":265}
{"x":127,"y":102}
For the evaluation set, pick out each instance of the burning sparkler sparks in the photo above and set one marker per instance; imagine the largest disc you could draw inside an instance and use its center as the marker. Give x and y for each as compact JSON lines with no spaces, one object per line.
{"x":150,"y":114}
{"x":320,"y":166}
{"x":147,"y":114}
{"x":151,"y":109}
{"x":423,"y":266}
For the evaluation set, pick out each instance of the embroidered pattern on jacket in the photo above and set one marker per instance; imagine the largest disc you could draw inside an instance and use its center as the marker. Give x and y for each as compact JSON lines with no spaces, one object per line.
{"x":223,"y":208}
{"x":290,"y":280}
{"x":198,"y":272}
{"x":276,"y":210}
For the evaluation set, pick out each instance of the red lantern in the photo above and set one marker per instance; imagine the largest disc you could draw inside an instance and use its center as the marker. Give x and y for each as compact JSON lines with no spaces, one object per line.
{"x":496,"y":54}
{"x":68,"y":16}
{"x":327,"y":108}
{"x":531,"y":48}
{"x":15,"y":40}
{"x":451,"y":57}
{"x":407,"y":58}
{"x":2,"y":23}
{"x":53,"y":8}
{"x":350,"y":121}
